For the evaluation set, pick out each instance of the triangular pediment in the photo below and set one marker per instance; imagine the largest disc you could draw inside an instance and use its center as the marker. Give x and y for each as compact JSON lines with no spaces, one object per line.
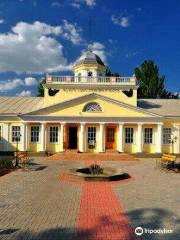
{"x":110,"y":108}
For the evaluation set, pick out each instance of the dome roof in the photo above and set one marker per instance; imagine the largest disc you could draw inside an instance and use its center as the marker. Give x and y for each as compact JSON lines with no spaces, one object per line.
{"x":89,"y":58}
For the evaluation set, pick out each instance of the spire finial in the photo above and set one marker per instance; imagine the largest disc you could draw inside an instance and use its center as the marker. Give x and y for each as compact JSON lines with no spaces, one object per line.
{"x":89,"y":47}
{"x":90,"y":33}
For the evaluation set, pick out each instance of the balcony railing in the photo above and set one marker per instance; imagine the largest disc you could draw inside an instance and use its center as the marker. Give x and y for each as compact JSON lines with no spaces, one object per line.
{"x":91,"y":80}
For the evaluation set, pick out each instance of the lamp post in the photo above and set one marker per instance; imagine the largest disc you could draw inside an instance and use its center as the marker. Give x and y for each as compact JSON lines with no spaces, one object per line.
{"x":18,"y":138}
{"x":172,"y":142}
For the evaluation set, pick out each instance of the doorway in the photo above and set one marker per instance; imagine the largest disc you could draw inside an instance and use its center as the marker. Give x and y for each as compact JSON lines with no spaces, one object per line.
{"x":72,"y":137}
{"x":110,"y":138}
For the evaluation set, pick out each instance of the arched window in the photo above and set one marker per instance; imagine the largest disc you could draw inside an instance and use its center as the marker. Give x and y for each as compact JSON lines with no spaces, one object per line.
{"x":92,"y":107}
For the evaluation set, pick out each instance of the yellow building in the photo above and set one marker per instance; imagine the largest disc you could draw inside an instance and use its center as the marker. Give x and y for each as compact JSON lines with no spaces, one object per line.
{"x":91,"y":113}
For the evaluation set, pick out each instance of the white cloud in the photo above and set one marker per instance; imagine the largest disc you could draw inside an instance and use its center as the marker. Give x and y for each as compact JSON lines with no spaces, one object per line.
{"x":72,"y":32}
{"x":33,"y":48}
{"x":89,"y":3}
{"x":12,"y":84}
{"x":131,"y":54}
{"x":97,"y":48}
{"x":34,"y":3}
{"x":30,"y":81}
{"x":1,"y":21}
{"x":76,"y":5}
{"x":121,"y":21}
{"x":24,"y":93}
{"x":124,"y":22}
{"x":139,"y":9}
{"x":56,"y":4}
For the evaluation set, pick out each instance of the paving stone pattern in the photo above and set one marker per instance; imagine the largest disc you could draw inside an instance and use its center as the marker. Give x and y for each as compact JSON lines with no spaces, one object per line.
{"x":39,"y":205}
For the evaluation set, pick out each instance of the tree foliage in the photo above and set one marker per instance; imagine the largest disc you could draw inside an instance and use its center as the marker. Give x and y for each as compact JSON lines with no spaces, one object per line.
{"x":151,"y":83}
{"x":110,"y":74}
{"x":40,"y":88}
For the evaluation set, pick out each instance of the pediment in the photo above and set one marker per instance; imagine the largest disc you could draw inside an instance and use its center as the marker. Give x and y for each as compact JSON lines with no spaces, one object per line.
{"x":109,"y":108}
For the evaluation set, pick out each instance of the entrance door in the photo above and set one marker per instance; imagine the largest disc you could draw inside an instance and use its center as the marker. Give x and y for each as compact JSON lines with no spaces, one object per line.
{"x":110,"y":138}
{"x":72,"y":137}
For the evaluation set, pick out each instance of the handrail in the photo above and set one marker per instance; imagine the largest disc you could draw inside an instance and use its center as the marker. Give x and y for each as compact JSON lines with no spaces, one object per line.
{"x":99,"y":79}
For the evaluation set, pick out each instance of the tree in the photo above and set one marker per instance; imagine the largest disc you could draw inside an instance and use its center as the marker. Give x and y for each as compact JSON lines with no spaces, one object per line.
{"x":110,"y":74}
{"x":40,"y":88}
{"x":151,"y":84}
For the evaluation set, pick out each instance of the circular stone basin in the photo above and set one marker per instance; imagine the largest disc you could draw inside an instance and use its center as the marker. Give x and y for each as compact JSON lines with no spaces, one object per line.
{"x":109,"y":174}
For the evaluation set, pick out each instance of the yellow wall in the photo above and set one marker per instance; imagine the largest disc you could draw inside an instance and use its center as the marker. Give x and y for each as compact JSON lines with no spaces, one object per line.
{"x":131,"y":148}
{"x":89,"y":67}
{"x":33,"y":147}
{"x":64,"y":95}
{"x":108,"y":108}
{"x":168,"y":148}
{"x":13,"y":145}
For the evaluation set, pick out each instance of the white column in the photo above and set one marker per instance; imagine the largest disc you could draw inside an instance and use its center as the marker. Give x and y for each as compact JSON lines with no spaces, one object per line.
{"x":159,"y":138}
{"x":82,"y":137}
{"x":101,"y":138}
{"x":120,"y":138}
{"x":24,"y":136}
{"x":43,"y":137}
{"x":5,"y":132}
{"x":139,"y":138}
{"x":62,"y":137}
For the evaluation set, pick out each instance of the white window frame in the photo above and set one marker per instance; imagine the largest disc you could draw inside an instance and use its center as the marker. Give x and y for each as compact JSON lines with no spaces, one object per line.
{"x":167,"y":133}
{"x":129,"y":135}
{"x":147,"y":135}
{"x":49,"y":135}
{"x":14,"y":133}
{"x":35,"y":126}
{"x":91,"y":108}
{"x":91,"y":135}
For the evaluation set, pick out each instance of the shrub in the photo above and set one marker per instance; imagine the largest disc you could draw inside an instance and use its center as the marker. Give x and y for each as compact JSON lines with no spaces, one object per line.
{"x":6,"y":163}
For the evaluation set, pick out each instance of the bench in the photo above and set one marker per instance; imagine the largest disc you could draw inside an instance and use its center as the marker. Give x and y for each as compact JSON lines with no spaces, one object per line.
{"x":167,"y":161}
{"x":23,"y":158}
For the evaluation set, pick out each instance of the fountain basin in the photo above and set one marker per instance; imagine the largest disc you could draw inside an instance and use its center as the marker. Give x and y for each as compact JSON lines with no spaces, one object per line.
{"x":109,"y":174}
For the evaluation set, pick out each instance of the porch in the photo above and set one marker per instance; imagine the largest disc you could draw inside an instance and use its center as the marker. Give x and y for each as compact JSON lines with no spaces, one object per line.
{"x":90,"y":137}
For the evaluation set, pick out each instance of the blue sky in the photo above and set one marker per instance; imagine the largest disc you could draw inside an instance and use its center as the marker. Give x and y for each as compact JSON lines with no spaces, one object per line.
{"x":38,"y":36}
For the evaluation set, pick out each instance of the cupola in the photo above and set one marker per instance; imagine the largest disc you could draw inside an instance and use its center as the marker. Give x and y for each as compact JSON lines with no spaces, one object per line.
{"x":89,"y":65}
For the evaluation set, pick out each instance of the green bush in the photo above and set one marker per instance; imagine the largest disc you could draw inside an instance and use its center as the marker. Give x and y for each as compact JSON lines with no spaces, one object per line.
{"x":6,"y":163}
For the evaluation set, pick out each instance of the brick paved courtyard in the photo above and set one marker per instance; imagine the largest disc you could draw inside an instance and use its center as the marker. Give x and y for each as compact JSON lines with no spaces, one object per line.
{"x":38,"y":205}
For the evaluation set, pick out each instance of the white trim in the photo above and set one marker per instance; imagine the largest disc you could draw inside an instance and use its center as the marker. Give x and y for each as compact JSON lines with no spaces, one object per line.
{"x":43,"y":137}
{"x":24,"y":136}
{"x":132,"y":135}
{"x":159,"y":138}
{"x":144,"y":135}
{"x":48,"y":134}
{"x":82,"y":137}
{"x":138,"y":120}
{"x":120,"y":138}
{"x":139,"y":138}
{"x":108,"y":99}
{"x":62,"y":137}
{"x":101,"y":137}
{"x":32,"y":142}
{"x":15,"y":125}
